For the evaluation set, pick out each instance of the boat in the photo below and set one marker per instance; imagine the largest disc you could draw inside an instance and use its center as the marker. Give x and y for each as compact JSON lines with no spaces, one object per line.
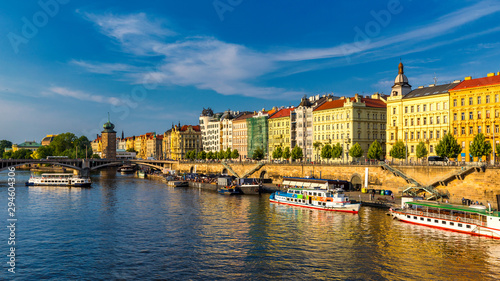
{"x":475,"y":219}
{"x":141,"y":174}
{"x":126,"y":169}
{"x":229,"y":190}
{"x":316,"y":198}
{"x":250,"y":186}
{"x":174,"y":183}
{"x":60,"y":179}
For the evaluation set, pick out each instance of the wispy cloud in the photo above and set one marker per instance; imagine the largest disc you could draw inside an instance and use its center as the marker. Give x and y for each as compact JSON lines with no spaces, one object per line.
{"x":232,"y":69}
{"x":79,"y":95}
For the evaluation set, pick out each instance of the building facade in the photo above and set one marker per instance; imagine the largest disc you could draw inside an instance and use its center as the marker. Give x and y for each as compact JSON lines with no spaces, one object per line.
{"x":240,"y":134}
{"x":108,"y":136}
{"x":257,"y":131}
{"x":210,"y":127}
{"x":154,"y":147}
{"x":348,"y":121}
{"x":184,"y":139}
{"x":475,"y":108}
{"x":279,"y":130}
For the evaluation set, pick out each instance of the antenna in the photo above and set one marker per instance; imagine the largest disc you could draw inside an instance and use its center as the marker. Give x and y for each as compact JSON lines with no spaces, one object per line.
{"x":435,"y":79}
{"x":108,"y":116}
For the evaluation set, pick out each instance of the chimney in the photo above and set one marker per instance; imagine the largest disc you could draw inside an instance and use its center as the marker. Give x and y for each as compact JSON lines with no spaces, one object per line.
{"x":491,"y":74}
{"x":468,"y":78}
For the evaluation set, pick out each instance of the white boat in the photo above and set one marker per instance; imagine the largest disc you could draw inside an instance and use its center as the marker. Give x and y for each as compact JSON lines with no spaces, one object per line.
{"x":316,"y":198}
{"x":475,"y":220}
{"x":63,"y":179}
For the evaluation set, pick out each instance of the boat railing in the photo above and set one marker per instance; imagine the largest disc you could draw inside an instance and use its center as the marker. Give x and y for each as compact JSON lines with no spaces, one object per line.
{"x":457,"y":218}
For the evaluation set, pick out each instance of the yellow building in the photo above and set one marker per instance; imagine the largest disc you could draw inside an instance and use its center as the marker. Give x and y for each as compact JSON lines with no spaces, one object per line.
{"x":475,"y":108}
{"x":348,"y":121}
{"x":97,"y":145}
{"x":184,"y":139}
{"x":422,"y":115}
{"x":48,"y":139}
{"x":279,"y":130}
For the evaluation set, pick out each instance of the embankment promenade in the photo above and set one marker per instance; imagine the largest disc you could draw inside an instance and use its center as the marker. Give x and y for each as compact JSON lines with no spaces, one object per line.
{"x":481,"y":184}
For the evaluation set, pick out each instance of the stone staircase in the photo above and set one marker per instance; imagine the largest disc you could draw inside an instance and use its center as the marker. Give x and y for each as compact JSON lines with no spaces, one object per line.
{"x":458,"y":174}
{"x":229,"y":169}
{"x":253,"y":170}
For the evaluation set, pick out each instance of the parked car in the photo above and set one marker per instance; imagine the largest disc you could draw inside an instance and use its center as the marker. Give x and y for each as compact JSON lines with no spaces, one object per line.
{"x":438,"y":160}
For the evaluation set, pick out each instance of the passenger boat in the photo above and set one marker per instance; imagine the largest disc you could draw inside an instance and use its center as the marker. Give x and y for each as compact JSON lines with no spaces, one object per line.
{"x":475,"y":219}
{"x":141,"y":174}
{"x":316,"y":198}
{"x":229,"y":190}
{"x":126,"y":169}
{"x":63,"y":179}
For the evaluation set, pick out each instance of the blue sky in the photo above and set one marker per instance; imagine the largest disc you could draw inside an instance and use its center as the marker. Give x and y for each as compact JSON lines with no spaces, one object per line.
{"x":65,"y":64}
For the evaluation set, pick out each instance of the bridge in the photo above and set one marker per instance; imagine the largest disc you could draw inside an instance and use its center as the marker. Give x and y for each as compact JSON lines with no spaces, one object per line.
{"x":84,"y":166}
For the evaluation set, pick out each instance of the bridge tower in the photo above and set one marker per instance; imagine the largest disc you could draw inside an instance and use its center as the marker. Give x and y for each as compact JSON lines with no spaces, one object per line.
{"x":108,"y":141}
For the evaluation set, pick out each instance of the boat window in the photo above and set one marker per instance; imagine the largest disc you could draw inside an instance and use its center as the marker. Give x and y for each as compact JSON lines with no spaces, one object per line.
{"x":421,"y":219}
{"x":415,"y":218}
{"x":451,"y":223}
{"x":467,"y":226}
{"x":436,"y":221}
{"x":459,"y":225}
{"x":443,"y":222}
{"x":429,"y":220}
{"x":408,"y":216}
{"x":314,"y":193}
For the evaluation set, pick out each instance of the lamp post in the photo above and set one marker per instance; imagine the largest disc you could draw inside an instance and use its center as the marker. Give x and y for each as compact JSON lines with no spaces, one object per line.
{"x":406,"y":146}
{"x":494,"y":145}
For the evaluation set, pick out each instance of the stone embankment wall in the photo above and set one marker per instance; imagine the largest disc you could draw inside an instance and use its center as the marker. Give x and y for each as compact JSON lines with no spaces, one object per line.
{"x":480,"y":186}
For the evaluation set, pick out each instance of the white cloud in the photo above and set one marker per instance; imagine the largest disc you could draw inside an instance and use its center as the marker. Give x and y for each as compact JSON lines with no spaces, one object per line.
{"x":232,"y":69}
{"x":83,"y":96}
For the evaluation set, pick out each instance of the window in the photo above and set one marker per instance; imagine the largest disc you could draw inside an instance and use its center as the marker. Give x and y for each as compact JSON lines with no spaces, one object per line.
{"x":392,"y":136}
{"x":411,"y":121}
{"x":445,"y":105}
{"x":471,"y":115}
{"x":463,"y":145}
{"x":455,"y":131}
{"x":462,"y":101}
{"x":496,"y":129}
{"x":394,"y":123}
{"x":438,"y":119}
{"x":418,"y":135}
{"x":463,"y":116}
{"x":430,"y":134}
{"x":479,"y":115}
{"x":418,"y":121}
{"x":431,"y":107}
{"x":425,"y":120}
{"x":406,"y":135}
{"x":478,"y":129}
{"x":425,"y":135}
{"x":406,"y":109}
{"x":471,"y":131}
{"x":431,"y":121}
{"x":487,"y":129}
{"x":487,"y":99}
{"x":393,"y":110}
{"x":445,"y":119}
{"x":431,"y":148}
{"x":470,"y":101}
{"x":424,"y":107}
{"x":412,"y":109}
{"x":455,"y":103}
{"x":438,"y":106}
{"x":496,"y":98}
{"x":463,"y":130}
{"x":418,"y":108}
{"x":478,"y":100}
{"x":437,"y":134}
{"x":406,"y":122}
{"x":411,"y":135}
{"x":454,"y":117}
{"x":487,"y":114}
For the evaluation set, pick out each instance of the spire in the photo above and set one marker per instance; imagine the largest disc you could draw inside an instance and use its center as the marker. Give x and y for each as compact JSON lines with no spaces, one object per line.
{"x":108,"y":116}
{"x":123,"y":136}
{"x":401,"y":71}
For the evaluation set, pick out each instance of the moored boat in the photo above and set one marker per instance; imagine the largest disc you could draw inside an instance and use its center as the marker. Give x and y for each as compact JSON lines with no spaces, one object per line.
{"x":141,"y":174}
{"x":174,"y":183}
{"x":60,"y":179}
{"x":475,"y":220}
{"x":316,"y":198}
{"x":229,"y":190}
{"x":126,"y":169}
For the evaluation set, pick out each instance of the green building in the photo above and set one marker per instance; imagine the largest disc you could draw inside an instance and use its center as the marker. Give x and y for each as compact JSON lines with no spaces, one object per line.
{"x":257,"y":132}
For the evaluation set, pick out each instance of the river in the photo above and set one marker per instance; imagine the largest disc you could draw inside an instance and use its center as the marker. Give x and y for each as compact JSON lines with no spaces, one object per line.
{"x":125,"y":228}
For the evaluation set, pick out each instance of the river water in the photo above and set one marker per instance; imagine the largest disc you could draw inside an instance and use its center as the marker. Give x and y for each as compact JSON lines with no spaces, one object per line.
{"x":125,"y":228}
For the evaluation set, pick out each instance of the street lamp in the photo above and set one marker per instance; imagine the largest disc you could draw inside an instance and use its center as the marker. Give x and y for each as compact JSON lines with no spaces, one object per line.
{"x":494,"y":145}
{"x":406,"y":146}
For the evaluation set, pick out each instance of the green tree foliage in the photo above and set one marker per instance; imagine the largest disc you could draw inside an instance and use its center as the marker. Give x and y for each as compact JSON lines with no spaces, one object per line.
{"x":202,"y":155}
{"x":131,"y":149}
{"x":42,"y":152}
{"x":277,"y":153}
{"x":479,"y":146}
{"x":398,"y":151}
{"x":22,"y":154}
{"x":317,"y":147}
{"x":219,"y":155}
{"x":375,"y":151}
{"x":7,"y":155}
{"x":297,"y":153}
{"x":356,"y":151}
{"x":95,"y":156}
{"x":66,"y":145}
{"x":258,"y":154}
{"x":422,"y":150}
{"x":210,"y":155}
{"x":3,"y":145}
{"x":286,"y":153}
{"x":227,"y":153}
{"x":448,"y":147}
{"x":337,"y":151}
{"x":191,"y":155}
{"x":326,"y":152}
{"x":235,"y":154}
{"x":497,"y":150}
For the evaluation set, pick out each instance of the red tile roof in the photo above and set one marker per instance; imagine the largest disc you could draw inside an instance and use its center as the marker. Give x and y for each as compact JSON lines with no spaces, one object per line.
{"x":340,"y":103}
{"x":195,"y":128}
{"x":478,"y":82}
{"x":243,"y":117}
{"x":285,"y":112}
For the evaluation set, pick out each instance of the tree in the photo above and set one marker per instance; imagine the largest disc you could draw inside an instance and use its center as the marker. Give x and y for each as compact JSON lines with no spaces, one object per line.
{"x":421,"y":150}
{"x":297,"y":153}
{"x":202,"y":155}
{"x":286,"y":153}
{"x":258,"y":154}
{"x":131,"y":149}
{"x":22,"y":154}
{"x":398,"y":151}
{"x":337,"y":151}
{"x":95,"y":156}
{"x":191,"y":155}
{"x":356,"y":151}
{"x":278,"y":153}
{"x":326,"y":152}
{"x":235,"y":154}
{"x":42,"y":152}
{"x":219,"y":155}
{"x":67,"y":144}
{"x":497,"y":150}
{"x":210,"y":155}
{"x":448,"y":147}
{"x":7,"y":155}
{"x":317,"y":147}
{"x":4,"y":144}
{"x":480,"y":147}
{"x":375,"y":151}
{"x":227,"y":154}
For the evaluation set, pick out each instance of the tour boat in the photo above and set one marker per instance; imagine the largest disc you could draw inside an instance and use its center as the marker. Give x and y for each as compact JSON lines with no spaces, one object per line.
{"x":316,"y":198}
{"x":475,"y":219}
{"x":126,"y":169}
{"x":141,"y":174}
{"x":229,"y":190}
{"x":59,"y":180}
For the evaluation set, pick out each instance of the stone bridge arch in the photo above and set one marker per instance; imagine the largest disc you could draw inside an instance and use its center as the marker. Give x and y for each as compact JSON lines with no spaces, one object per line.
{"x":356,"y":181}
{"x":224,"y":171}
{"x":191,"y":170}
{"x":263,"y":174}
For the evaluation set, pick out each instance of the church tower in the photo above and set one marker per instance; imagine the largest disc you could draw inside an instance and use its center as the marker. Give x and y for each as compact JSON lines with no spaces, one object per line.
{"x":401,"y":86}
{"x":108,"y":141}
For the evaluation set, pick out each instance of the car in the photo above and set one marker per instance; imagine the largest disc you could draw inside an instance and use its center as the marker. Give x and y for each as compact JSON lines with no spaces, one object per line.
{"x":438,"y":160}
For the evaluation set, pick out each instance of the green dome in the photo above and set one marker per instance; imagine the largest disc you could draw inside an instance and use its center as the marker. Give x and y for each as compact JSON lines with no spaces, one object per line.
{"x":108,"y":126}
